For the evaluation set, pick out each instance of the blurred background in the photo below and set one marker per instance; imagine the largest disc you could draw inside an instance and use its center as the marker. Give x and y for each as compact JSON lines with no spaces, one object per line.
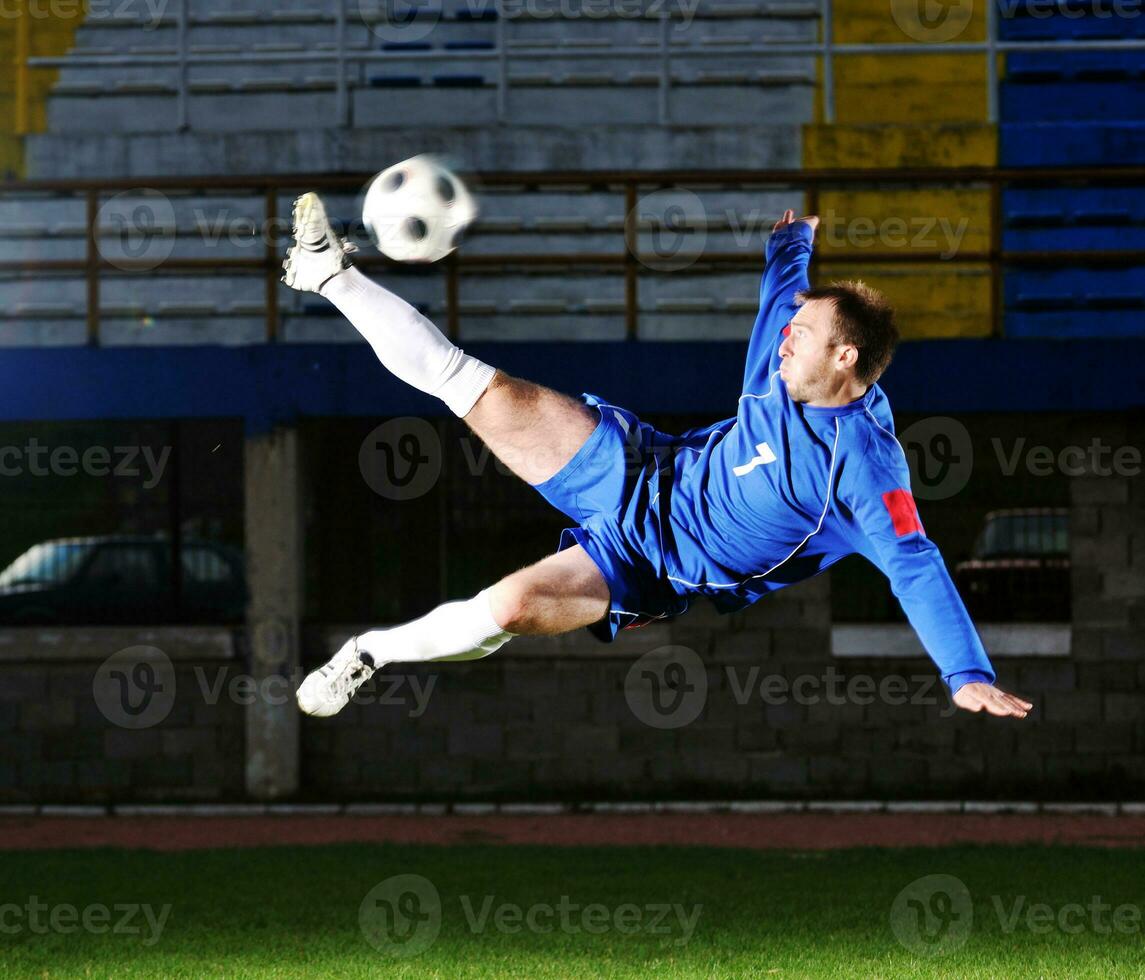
{"x":207,"y":482}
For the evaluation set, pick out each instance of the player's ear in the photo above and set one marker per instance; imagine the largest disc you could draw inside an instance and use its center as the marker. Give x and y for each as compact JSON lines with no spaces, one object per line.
{"x":848,"y":356}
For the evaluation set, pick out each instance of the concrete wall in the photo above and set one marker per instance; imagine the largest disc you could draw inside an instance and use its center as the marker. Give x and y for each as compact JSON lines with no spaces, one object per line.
{"x":569,"y":718}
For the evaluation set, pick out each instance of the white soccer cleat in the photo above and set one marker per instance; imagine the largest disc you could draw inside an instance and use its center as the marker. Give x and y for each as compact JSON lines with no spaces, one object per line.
{"x":327,"y":690}
{"x":318,"y":253}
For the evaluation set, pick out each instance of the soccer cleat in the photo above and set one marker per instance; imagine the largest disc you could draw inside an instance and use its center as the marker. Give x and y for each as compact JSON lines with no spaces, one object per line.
{"x":319,"y":253}
{"x":327,"y":690}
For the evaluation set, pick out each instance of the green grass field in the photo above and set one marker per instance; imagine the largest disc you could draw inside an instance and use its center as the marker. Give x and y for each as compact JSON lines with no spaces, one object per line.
{"x":627,"y":912}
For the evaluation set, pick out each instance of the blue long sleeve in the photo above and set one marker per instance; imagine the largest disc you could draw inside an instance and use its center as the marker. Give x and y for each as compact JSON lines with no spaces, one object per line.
{"x":885,"y":514}
{"x":788,"y":253}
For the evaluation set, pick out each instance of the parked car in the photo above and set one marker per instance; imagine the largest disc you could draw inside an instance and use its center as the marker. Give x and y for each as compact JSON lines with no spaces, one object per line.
{"x":123,"y":579}
{"x":1019,"y":569}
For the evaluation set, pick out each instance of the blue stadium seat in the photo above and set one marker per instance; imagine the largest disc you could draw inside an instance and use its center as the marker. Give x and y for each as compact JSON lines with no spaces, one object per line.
{"x":1069,"y":218}
{"x":1073,"y":101}
{"x":1036,"y":144}
{"x":1081,"y":65}
{"x":1089,"y":19}
{"x":460,"y":80}
{"x":1080,"y":301}
{"x":394,"y":81}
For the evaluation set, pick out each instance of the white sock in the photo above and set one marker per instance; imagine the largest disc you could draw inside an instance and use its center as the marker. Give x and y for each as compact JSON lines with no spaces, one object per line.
{"x":408,"y":343}
{"x":461,"y":630}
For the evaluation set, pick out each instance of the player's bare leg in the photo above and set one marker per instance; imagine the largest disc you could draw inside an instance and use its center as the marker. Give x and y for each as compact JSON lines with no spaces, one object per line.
{"x":560,"y":593}
{"x":532,"y":429}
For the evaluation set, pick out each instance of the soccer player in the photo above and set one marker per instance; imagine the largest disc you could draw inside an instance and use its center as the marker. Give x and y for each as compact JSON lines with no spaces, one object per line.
{"x":807,"y":472}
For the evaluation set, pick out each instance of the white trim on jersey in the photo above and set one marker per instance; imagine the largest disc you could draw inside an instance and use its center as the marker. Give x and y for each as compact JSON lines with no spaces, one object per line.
{"x":771,"y":382}
{"x":818,"y":528}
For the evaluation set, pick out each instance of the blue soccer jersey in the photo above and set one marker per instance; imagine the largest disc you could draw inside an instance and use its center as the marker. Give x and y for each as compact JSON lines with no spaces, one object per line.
{"x":762,"y":500}
{"x":783,"y":490}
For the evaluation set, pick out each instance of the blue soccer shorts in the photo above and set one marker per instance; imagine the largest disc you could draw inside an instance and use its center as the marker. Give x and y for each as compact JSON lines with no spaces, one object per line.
{"x":609,"y":488}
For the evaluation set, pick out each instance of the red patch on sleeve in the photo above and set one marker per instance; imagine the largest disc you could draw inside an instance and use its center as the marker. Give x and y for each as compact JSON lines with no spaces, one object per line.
{"x":786,"y":331}
{"x":900,"y":505}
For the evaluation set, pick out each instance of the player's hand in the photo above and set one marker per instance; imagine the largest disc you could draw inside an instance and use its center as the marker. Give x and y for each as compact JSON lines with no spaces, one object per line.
{"x":977,"y":696}
{"x":789,"y":219}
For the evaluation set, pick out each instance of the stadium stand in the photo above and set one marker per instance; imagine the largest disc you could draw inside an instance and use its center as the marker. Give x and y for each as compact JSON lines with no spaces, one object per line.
{"x":1074,"y":108}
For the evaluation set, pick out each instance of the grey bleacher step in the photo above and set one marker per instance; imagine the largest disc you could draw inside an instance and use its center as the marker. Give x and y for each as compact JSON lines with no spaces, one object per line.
{"x":604,"y":305}
{"x":184,"y":308}
{"x":560,"y":224}
{"x":693,"y":305}
{"x":532,"y":305}
{"x":47,"y":310}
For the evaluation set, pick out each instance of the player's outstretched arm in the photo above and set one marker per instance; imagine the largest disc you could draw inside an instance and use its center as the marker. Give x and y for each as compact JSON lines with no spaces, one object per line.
{"x":785,"y":275}
{"x":884,"y":516}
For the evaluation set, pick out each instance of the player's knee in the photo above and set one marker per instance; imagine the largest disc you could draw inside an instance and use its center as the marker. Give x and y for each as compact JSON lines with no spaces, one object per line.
{"x":508,"y":601}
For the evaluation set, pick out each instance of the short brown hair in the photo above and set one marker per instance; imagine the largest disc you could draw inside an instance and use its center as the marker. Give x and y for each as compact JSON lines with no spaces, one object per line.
{"x":864,"y":319}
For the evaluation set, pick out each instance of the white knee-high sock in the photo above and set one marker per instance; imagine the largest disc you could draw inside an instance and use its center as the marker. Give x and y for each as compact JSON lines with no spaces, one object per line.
{"x":461,"y":630}
{"x":408,"y":343}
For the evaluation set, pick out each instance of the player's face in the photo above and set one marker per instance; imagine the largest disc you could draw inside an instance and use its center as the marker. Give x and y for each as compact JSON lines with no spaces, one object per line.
{"x":807,"y":367}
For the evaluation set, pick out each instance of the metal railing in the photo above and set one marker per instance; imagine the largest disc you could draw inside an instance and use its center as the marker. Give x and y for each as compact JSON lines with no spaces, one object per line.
{"x":627,"y":260}
{"x":504,"y":58}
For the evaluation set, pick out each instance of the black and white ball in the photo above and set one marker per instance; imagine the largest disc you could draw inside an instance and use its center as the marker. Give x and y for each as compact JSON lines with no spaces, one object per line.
{"x":417,"y":210}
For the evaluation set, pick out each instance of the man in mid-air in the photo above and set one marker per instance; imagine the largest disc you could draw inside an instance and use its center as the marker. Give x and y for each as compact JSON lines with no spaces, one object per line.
{"x":807,"y":472}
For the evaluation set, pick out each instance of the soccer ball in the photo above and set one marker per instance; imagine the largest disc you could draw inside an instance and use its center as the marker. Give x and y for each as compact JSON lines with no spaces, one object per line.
{"x":416,"y":210}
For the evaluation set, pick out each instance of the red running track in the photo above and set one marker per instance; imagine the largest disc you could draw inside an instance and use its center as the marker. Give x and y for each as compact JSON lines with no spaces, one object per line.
{"x":793,"y":831}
